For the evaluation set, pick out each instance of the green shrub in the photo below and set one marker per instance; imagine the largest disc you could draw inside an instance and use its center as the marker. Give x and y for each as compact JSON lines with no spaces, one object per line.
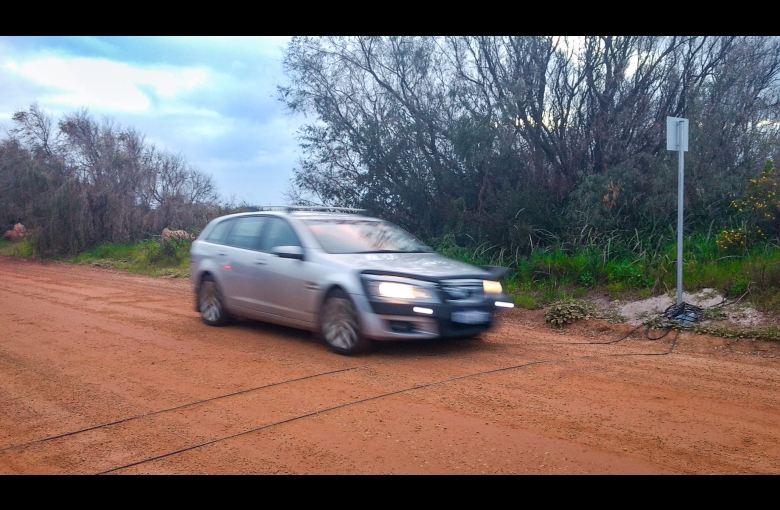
{"x":22,"y":248}
{"x":568,"y":312}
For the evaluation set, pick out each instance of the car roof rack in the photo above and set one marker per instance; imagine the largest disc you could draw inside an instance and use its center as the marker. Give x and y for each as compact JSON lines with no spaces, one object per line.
{"x":306,"y":208}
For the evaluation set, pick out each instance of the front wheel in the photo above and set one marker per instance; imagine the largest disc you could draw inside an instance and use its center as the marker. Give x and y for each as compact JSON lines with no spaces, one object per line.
{"x":339,"y":325}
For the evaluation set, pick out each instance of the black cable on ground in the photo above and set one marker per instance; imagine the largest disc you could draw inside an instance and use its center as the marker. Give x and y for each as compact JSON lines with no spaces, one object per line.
{"x":190,"y":404}
{"x":682,"y":316}
{"x":611,"y":342}
{"x":686,"y":315}
{"x":647,"y":324}
{"x":675,"y":317}
{"x":688,"y":311}
{"x":377,"y":397}
{"x":668,"y":321}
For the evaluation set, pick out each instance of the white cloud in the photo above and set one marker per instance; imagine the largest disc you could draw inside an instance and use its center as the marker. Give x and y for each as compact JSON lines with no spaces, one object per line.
{"x":206,"y":130}
{"x":209,"y":98}
{"x":104,"y":85}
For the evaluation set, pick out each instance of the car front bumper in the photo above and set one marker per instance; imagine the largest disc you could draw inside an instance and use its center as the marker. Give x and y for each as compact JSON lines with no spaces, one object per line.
{"x":406,"y":321}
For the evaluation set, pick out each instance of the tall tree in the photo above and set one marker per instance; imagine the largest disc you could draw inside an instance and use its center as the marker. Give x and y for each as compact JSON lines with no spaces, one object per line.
{"x":509,"y":140}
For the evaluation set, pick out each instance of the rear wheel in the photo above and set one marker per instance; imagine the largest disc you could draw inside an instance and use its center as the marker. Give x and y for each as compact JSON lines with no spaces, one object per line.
{"x":211,"y":304}
{"x":339,"y":324}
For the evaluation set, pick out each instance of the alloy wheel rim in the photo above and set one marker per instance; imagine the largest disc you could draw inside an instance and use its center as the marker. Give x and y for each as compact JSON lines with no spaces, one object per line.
{"x":210,"y":306}
{"x":340,"y":325}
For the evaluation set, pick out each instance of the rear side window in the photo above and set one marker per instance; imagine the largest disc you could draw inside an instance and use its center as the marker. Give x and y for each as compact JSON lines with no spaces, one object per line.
{"x":219,"y":232}
{"x":278,"y":233}
{"x":246,"y":232}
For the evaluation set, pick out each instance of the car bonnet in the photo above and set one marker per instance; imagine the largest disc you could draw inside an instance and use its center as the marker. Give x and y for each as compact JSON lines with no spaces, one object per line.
{"x":426,"y":266}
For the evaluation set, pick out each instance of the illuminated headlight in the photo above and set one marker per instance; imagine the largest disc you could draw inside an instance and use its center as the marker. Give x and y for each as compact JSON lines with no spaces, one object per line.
{"x":402,"y":291}
{"x":491,"y":287}
{"x":398,"y":291}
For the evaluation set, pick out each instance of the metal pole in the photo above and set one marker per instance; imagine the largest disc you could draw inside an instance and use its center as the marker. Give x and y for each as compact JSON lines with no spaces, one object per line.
{"x":680,"y":184}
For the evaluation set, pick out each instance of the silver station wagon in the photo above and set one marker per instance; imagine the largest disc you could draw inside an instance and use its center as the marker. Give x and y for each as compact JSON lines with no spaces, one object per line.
{"x":350,"y":278}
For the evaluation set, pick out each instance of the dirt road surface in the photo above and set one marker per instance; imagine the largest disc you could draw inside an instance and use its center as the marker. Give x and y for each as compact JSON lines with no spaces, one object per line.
{"x":108,"y":372}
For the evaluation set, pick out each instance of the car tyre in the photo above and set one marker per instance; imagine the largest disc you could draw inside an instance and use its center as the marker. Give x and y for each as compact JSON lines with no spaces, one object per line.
{"x":211,"y":305}
{"x":339,"y":325}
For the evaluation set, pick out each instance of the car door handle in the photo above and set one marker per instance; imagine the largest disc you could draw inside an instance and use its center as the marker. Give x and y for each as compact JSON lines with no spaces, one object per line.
{"x":261,"y":262}
{"x":222,"y":253}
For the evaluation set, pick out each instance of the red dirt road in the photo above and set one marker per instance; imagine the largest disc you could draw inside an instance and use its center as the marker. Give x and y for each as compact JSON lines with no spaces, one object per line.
{"x":82,"y":347}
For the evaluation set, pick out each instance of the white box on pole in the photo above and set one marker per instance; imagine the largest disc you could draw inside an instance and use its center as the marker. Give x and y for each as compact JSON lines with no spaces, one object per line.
{"x":672,"y":124}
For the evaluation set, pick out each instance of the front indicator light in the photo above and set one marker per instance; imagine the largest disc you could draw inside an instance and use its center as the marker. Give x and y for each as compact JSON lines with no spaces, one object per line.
{"x":504,"y":304}
{"x":419,"y":309}
{"x":491,"y":287}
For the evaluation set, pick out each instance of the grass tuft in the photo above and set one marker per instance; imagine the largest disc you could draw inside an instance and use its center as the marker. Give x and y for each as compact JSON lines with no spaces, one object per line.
{"x":149,"y":257}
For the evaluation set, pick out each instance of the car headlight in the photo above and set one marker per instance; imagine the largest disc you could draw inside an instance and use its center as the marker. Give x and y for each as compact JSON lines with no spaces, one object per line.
{"x":387,"y":290}
{"x":402,"y":291}
{"x":491,"y":287}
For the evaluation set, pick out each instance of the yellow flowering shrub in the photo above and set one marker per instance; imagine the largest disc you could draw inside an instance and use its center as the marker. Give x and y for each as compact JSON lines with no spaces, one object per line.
{"x":760,"y":208}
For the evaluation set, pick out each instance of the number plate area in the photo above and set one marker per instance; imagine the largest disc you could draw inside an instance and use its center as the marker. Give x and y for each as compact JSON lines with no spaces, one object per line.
{"x":470,"y":316}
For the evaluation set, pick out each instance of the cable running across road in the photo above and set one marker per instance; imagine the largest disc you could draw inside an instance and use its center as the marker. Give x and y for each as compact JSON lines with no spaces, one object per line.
{"x":384,"y":395}
{"x":190,"y":404}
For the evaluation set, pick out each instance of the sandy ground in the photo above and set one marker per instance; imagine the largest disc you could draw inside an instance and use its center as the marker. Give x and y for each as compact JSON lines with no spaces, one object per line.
{"x":103,"y":371}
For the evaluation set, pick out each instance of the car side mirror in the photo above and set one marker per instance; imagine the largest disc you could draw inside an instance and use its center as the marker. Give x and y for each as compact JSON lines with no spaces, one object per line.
{"x":288,"y":252}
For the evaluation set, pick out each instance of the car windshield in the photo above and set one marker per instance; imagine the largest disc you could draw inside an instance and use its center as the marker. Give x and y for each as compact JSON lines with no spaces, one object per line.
{"x":363,"y":236}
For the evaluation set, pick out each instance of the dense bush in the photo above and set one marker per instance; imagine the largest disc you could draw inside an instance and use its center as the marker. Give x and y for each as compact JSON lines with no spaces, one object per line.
{"x":80,"y":183}
{"x":523,"y":142}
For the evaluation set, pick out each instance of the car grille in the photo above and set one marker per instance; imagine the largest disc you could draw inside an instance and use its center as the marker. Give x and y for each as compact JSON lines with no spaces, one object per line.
{"x":462,"y":290}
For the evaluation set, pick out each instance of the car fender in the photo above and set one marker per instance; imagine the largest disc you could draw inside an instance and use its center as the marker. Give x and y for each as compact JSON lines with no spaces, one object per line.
{"x":206,"y":266}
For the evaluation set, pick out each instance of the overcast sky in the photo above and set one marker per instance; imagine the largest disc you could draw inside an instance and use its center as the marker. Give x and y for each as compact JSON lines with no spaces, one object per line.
{"x":209,"y":98}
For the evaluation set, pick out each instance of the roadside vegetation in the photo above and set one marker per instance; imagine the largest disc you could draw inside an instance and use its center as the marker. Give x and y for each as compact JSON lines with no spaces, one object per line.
{"x":150,"y":257}
{"x":553,"y":273}
{"x":545,"y":155}
{"x":16,"y":249}
{"x":548,"y":154}
{"x":548,"y":275}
